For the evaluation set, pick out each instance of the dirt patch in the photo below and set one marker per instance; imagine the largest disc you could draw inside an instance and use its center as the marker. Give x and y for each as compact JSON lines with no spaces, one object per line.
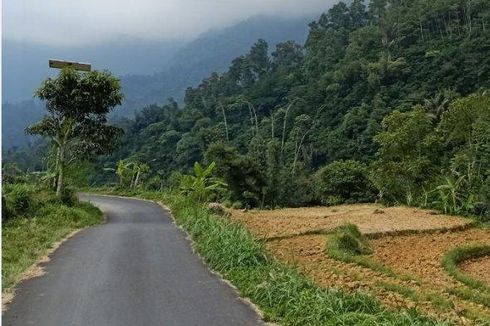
{"x":421,"y":254}
{"x":409,"y":241}
{"x":370,"y":218}
{"x":420,"y":282}
{"x":478,"y":268}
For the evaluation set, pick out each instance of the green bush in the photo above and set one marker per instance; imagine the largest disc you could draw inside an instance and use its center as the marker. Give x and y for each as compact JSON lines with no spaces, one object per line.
{"x":19,"y":199}
{"x":349,"y":240}
{"x":69,"y":196}
{"x":349,"y":245}
{"x":343,"y":182}
{"x":484,"y":207}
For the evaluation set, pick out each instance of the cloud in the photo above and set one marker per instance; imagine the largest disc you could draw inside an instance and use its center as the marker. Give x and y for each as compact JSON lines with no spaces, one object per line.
{"x":70,"y":22}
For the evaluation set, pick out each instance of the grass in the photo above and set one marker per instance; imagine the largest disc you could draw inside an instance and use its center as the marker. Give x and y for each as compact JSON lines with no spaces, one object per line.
{"x":467,"y":294}
{"x":283,"y":295}
{"x":26,"y":239}
{"x":455,"y":256}
{"x":345,"y":243}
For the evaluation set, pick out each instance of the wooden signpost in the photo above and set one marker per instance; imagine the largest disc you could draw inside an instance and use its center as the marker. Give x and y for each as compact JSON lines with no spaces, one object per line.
{"x":59,"y":64}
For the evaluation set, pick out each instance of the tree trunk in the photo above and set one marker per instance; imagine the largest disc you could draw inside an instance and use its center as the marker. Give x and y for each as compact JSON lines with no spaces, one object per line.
{"x":61,"y":170}
{"x":226,"y":123}
{"x":136,"y":181}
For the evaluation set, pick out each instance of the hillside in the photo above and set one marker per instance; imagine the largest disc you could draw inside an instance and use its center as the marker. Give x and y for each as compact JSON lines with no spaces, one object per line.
{"x":210,"y":52}
{"x":380,"y":87}
{"x":151,"y":73}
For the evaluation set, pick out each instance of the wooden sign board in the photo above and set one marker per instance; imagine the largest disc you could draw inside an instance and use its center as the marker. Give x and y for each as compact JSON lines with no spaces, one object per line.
{"x":75,"y":65}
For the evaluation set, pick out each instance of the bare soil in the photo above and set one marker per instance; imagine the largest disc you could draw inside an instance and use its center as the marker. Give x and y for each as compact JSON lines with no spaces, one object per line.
{"x":370,"y":219}
{"x":421,"y":255}
{"x":420,"y":280}
{"x":422,"y":286}
{"x":478,"y":268}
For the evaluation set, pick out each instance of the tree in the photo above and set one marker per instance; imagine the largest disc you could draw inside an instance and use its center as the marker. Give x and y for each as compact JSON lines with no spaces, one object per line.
{"x":76,"y":123}
{"x":343,"y":181}
{"x":406,"y":157}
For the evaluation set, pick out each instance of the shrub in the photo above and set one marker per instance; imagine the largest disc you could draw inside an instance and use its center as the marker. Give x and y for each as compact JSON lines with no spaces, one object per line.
{"x":343,"y":181}
{"x":347,"y":239}
{"x":19,"y":199}
{"x":69,"y":196}
{"x":484,"y":210}
{"x":202,"y":186}
{"x":349,"y":245}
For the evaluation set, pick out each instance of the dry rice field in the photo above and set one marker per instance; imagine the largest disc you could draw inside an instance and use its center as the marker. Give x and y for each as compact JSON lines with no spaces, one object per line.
{"x":409,"y":241}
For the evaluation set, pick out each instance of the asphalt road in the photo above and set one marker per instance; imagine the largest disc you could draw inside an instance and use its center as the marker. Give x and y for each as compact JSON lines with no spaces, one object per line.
{"x":136,"y":269}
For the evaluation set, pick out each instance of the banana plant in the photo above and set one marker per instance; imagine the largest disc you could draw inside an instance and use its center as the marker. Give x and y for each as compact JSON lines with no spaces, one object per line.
{"x":201,"y":186}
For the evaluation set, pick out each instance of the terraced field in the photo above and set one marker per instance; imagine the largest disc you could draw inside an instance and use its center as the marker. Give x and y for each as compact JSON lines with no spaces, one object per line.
{"x":408,"y":243}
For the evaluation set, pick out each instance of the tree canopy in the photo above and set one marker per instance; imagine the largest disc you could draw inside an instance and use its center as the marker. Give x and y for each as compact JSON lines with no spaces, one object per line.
{"x":76,"y":123}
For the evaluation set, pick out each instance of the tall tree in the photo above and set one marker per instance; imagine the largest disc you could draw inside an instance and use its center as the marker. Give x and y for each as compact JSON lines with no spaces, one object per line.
{"x":76,"y":123}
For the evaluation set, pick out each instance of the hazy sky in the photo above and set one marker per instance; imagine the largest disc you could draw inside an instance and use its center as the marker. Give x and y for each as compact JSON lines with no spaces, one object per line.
{"x":70,"y":22}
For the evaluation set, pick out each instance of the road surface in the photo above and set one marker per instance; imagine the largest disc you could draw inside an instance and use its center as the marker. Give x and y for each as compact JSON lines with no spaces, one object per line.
{"x":136,"y":269}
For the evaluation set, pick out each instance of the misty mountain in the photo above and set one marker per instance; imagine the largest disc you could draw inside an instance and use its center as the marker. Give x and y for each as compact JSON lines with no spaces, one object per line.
{"x":211,"y":52}
{"x":25,"y":65}
{"x":15,"y":118}
{"x":150,"y":73}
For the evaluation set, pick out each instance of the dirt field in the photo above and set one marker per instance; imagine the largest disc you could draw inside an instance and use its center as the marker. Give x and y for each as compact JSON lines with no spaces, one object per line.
{"x":369,"y":218}
{"x":419,"y":282}
{"x":478,"y":268}
{"x":421,"y":255}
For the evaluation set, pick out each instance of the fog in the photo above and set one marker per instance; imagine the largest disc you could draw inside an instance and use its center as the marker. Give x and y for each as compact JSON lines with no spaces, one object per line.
{"x":69,"y":22}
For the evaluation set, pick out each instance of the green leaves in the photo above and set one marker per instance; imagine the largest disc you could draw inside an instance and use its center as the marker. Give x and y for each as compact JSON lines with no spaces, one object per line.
{"x":202,"y":186}
{"x":76,"y":123}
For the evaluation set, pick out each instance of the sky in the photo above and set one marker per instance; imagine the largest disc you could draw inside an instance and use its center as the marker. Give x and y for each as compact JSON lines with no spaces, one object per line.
{"x":84,"y":22}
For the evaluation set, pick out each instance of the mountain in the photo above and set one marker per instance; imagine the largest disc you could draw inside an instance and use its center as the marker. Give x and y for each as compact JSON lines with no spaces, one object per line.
{"x":211,"y":52}
{"x":150,"y":72}
{"x":15,"y":118}
{"x":25,"y":65}
{"x":396,"y":101}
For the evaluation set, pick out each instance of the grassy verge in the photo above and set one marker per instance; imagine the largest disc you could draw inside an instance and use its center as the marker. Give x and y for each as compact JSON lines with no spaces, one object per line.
{"x":454,"y":257}
{"x":26,"y":239}
{"x":279,"y":291}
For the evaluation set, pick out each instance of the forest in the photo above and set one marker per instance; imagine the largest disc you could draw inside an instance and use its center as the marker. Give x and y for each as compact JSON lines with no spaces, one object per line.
{"x":342,"y":181}
{"x":386,"y":102}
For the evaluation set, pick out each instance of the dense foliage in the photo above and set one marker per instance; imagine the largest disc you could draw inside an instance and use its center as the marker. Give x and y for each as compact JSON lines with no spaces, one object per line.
{"x":76,"y":121}
{"x":384,"y":90}
{"x":384,"y":101}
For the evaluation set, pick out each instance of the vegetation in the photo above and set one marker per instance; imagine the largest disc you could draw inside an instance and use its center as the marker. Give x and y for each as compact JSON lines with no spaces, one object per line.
{"x":281,"y":293}
{"x":457,"y":255}
{"x":346,"y":243}
{"x":344,"y":181}
{"x":77,"y":105}
{"x":384,"y":102}
{"x":201,"y":186}
{"x":34,"y":219}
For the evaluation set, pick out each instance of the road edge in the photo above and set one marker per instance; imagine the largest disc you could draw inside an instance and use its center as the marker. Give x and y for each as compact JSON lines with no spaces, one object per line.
{"x":164,"y":207}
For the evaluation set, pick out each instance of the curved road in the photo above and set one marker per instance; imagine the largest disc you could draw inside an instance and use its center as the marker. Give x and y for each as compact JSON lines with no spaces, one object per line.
{"x":136,"y":269}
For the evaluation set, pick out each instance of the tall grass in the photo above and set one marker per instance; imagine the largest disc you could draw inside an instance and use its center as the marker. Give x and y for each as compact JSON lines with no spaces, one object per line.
{"x":26,"y":238}
{"x":347,"y":244}
{"x":282,"y":294}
